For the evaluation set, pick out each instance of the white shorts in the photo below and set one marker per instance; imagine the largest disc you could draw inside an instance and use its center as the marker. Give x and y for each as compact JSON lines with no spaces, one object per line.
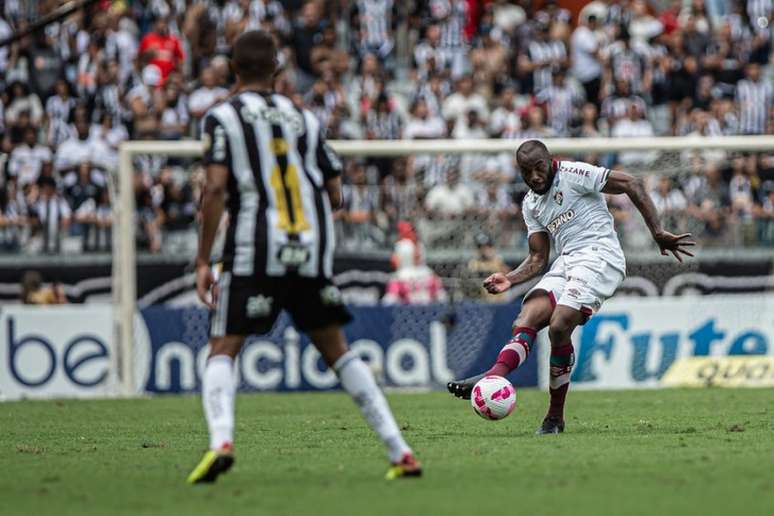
{"x":580,"y":281}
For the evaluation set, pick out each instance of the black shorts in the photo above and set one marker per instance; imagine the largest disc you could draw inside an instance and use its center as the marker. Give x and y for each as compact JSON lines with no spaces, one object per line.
{"x":250,"y":306}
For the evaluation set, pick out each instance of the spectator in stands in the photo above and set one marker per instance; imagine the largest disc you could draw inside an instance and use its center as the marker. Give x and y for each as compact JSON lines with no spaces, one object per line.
{"x":669,"y":201}
{"x":429,"y":57}
{"x":589,"y":126}
{"x":361,"y":213}
{"x":33,"y":292}
{"x":505,"y":121}
{"x":497,"y":212}
{"x":711,"y":205}
{"x":586,"y":63}
{"x":400,"y":194}
{"x":13,"y":214}
{"x":763,"y":210}
{"x":80,"y":149}
{"x":22,"y":100}
{"x":372,"y":25}
{"x":327,"y":56}
{"x":177,"y":210}
{"x":447,"y":204}
{"x":108,"y":134}
{"x":84,"y":190}
{"x":206,"y":95}
{"x":27,"y":159}
{"x":140,"y":100}
{"x":755,"y":98}
{"x":543,"y":55}
{"x":149,"y":216}
{"x":58,"y":109}
{"x":485,"y":263}
{"x":561,"y":102}
{"x":627,"y":63}
{"x":457,"y":106}
{"x":50,"y":215}
{"x":162,"y":49}
{"x":535,"y":126}
{"x":43,"y":63}
{"x":634,"y":125}
{"x":741,"y":197}
{"x":172,"y":106}
{"x":307,"y":32}
{"x":616,"y":107}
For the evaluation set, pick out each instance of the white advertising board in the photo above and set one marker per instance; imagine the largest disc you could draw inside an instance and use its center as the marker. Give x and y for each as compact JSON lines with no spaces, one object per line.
{"x":56,"y":351}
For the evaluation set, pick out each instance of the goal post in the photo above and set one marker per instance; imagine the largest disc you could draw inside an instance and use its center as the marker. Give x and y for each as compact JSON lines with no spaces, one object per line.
{"x":124,"y":250}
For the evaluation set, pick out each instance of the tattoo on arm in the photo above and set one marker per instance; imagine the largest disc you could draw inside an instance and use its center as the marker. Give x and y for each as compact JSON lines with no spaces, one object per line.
{"x":620,"y":182}
{"x":644,"y":204}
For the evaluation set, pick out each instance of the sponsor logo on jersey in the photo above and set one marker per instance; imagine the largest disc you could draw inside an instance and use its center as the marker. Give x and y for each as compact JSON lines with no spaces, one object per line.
{"x":563,"y":218}
{"x":259,"y":306}
{"x":274,"y":116}
{"x":576,"y":171}
{"x":558,"y":197}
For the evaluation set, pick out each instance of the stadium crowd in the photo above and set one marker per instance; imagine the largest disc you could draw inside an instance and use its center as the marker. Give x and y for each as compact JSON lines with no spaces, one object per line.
{"x":382,"y":69}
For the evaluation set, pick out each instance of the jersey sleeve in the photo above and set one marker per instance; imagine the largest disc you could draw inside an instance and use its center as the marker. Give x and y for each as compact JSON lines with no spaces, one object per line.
{"x":215,"y":139}
{"x":585,"y":178}
{"x":533,"y":226}
{"x":327,"y":159}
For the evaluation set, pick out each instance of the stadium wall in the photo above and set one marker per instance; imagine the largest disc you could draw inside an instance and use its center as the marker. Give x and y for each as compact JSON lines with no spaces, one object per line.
{"x":67,"y":351}
{"x":362,"y":279}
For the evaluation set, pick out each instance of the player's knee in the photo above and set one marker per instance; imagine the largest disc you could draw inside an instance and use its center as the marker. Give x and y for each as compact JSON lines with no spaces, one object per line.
{"x":533,"y":317}
{"x":559,"y":329}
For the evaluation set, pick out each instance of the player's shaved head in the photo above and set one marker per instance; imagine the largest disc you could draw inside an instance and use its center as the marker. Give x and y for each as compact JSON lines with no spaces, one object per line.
{"x":535,"y":164}
{"x":530,"y":152}
{"x":254,"y":56}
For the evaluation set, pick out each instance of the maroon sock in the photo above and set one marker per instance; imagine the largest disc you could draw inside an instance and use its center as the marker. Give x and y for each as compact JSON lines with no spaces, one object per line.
{"x":515,"y":352}
{"x":562,"y":359}
{"x":556,"y":405}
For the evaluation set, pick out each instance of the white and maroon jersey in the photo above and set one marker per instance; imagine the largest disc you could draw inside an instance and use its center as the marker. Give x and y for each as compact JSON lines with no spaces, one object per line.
{"x":575,"y":214}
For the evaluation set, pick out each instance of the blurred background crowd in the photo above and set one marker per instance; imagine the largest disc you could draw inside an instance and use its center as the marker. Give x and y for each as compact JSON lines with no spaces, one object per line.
{"x":383,"y":69}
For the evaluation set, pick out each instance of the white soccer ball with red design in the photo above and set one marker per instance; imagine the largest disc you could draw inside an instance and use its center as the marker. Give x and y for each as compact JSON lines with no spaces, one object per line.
{"x":493,"y":397}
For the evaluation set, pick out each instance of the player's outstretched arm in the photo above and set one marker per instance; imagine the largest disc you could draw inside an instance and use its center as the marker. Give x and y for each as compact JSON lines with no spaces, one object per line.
{"x":533,"y":264}
{"x":621,"y":182}
{"x":212,"y":205}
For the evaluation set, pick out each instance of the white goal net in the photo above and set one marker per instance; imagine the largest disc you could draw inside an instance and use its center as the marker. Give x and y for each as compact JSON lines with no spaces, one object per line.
{"x":459,"y":201}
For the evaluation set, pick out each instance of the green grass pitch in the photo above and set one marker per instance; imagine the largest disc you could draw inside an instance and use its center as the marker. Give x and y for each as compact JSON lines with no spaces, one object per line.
{"x":682,"y":452}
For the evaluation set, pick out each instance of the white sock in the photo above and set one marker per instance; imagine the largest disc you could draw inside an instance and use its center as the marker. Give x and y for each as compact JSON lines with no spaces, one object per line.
{"x":358,"y":381}
{"x":218,"y":391}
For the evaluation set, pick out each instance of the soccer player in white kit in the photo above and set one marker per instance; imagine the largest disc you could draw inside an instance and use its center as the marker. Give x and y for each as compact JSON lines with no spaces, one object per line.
{"x":566,"y":204}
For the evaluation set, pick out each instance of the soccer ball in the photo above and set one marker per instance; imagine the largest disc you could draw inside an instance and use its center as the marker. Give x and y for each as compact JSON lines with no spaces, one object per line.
{"x":493,"y":398}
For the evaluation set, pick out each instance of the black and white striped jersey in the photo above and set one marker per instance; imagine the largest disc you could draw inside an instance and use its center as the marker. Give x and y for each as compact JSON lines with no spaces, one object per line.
{"x":280,"y":216}
{"x":755,"y":101}
{"x":549,"y":53}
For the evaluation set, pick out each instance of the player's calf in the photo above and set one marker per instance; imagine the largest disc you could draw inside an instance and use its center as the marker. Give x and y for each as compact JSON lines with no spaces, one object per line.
{"x":561,"y":362}
{"x":515,"y":352}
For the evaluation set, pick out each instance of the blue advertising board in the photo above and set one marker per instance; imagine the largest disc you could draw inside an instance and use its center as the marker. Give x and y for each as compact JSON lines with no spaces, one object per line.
{"x":406,"y":346}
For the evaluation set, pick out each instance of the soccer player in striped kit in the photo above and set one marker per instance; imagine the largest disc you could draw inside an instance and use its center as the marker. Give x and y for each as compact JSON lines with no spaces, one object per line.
{"x":566,"y":204}
{"x":268,"y":164}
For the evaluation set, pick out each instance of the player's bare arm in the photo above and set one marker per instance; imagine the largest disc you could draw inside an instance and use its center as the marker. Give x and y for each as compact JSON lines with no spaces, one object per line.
{"x":333,"y":187}
{"x":212,"y":206}
{"x":623,"y":183}
{"x":535,"y":263}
